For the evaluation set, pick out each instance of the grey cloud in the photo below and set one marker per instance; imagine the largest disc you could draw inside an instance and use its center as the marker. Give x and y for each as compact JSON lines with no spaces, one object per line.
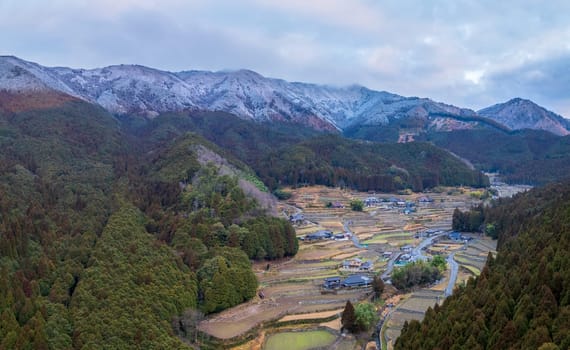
{"x":422,"y":48}
{"x":546,"y":82}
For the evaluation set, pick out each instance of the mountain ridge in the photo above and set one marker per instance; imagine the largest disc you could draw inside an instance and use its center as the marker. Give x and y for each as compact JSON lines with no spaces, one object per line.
{"x":129,"y":89}
{"x":519,"y":113}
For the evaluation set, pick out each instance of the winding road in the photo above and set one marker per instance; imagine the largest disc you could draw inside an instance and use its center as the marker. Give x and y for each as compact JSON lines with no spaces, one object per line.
{"x":389,"y":267}
{"x":452,"y":275}
{"x":418,"y":251}
{"x":352,"y":236}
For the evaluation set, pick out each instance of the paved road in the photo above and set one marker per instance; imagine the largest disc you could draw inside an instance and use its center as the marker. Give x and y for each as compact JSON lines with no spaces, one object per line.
{"x":453,"y":274}
{"x":352,"y":235}
{"x":418,"y":251}
{"x":390,"y":267}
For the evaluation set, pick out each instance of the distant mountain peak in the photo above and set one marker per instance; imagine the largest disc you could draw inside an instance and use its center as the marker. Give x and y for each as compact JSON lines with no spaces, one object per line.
{"x":519,"y":113}
{"x":518,"y":100}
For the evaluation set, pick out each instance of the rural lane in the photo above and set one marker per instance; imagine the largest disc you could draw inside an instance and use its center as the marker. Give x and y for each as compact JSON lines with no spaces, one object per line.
{"x":352,"y":235}
{"x":453,"y":274}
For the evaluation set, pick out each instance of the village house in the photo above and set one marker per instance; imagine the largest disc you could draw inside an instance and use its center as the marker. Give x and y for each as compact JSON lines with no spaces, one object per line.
{"x":332,"y":282}
{"x":366,"y":266}
{"x":319,"y":235}
{"x":430,"y":232}
{"x":354,"y":263}
{"x":404,"y":258}
{"x":456,"y":236}
{"x":340,"y":237}
{"x":297,"y":218}
{"x":408,"y":211}
{"x":407,"y":248}
{"x":371,"y":201}
{"x":425,"y":199}
{"x":357,"y":264}
{"x":356,"y":281}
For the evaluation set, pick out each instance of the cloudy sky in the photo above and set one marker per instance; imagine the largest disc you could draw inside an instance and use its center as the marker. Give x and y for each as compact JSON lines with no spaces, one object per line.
{"x":464,"y":52}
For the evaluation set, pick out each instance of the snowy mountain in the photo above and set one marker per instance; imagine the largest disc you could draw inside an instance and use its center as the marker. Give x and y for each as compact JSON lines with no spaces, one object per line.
{"x":129,"y":89}
{"x":246,"y":93}
{"x":17,"y":75}
{"x":133,"y":89}
{"x":139,"y":90}
{"x":519,"y":113}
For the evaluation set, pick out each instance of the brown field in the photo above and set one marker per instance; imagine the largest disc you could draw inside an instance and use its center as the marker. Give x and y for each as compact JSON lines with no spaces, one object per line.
{"x":334,"y":324}
{"x":411,"y":308}
{"x":463,"y":276}
{"x":312,"y":315}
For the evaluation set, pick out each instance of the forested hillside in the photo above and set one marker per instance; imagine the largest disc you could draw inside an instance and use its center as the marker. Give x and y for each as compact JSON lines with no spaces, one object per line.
{"x":285,"y":156}
{"x":521,"y":300}
{"x":531,"y":157}
{"x":104,"y":240}
{"x":528,"y":156}
{"x":335,"y":161}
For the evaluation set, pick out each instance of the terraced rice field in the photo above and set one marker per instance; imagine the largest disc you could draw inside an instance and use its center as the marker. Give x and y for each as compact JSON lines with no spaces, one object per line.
{"x":412,"y":308}
{"x":292,"y":287}
{"x":392,"y":236}
{"x":312,"y":315}
{"x":474,"y":257}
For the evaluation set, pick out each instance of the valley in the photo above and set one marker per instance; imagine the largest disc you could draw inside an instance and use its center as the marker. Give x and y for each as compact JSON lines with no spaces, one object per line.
{"x":150,"y":209}
{"x":291,"y":290}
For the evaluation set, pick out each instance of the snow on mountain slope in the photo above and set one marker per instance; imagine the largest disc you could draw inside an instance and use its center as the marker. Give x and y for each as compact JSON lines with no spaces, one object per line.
{"x":248,"y":93}
{"x":519,"y":113}
{"x":125,"y":89}
{"x":134,"y":89}
{"x":19,"y":75}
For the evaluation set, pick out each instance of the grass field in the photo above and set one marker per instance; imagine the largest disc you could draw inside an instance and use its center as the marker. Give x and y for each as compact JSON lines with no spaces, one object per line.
{"x":303,"y":340}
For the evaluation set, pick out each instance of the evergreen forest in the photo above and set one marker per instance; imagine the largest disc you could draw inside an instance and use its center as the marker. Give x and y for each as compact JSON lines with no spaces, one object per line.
{"x":521,"y":300}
